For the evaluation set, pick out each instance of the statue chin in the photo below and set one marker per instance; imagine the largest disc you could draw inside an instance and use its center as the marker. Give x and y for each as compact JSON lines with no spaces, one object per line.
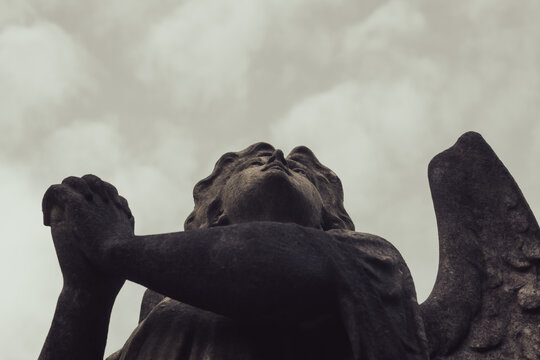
{"x":271,"y":196}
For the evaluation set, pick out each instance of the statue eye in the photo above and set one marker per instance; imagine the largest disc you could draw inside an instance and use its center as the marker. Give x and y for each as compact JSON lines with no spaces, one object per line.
{"x":299,"y":170}
{"x":255,"y":163}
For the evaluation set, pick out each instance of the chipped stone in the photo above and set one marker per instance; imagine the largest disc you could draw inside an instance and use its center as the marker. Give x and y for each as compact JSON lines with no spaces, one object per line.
{"x":510,"y":200}
{"x":519,"y":220}
{"x":516,"y":259}
{"x":531,"y":248}
{"x":488,"y":335}
{"x":514,"y":280}
{"x":529,"y":339}
{"x":529,"y":296}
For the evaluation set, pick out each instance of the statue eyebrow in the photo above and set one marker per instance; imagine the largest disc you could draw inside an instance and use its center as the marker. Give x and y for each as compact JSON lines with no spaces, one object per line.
{"x":296,"y":158}
{"x":295,"y":163}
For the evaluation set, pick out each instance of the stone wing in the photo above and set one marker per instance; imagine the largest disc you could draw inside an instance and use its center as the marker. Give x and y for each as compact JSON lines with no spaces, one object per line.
{"x":486,"y":300}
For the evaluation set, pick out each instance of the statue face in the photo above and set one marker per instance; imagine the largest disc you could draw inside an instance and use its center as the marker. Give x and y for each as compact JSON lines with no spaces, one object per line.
{"x":268,"y":187}
{"x":259,"y":184}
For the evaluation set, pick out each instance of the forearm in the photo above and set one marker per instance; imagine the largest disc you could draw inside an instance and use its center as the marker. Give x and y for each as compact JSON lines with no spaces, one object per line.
{"x":80,"y":325}
{"x":256,"y":270}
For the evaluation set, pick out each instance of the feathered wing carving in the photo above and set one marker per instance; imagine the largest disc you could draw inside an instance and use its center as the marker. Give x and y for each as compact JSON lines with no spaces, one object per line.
{"x":486,"y":301}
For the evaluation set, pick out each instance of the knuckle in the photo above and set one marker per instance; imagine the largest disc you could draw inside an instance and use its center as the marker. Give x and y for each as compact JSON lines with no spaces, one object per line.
{"x":79,"y":185}
{"x":71,"y":180}
{"x":110,"y":189}
{"x":122,"y":201}
{"x":96,"y":185}
{"x":90,"y":178}
{"x":125,"y":206}
{"x":53,"y":192}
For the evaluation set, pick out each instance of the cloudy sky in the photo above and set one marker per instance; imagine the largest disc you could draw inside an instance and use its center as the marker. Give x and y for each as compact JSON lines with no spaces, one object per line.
{"x":147,"y":95}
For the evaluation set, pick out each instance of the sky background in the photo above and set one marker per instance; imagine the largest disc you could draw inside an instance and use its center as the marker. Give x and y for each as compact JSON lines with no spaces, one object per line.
{"x":147,"y":95}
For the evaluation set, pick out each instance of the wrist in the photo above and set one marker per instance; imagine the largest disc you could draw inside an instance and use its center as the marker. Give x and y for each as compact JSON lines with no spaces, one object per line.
{"x":85,"y":297}
{"x":80,"y":325}
{"x":93,"y":286}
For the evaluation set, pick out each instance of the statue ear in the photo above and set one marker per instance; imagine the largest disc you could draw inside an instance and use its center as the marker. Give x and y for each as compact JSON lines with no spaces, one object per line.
{"x":328,"y":221}
{"x":222,"y":220}
{"x":189,"y":223}
{"x":215,"y":214}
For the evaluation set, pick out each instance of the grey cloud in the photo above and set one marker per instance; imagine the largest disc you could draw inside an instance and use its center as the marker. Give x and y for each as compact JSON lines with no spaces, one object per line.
{"x":148,"y":95}
{"x":207,"y":54}
{"x":42,"y":71}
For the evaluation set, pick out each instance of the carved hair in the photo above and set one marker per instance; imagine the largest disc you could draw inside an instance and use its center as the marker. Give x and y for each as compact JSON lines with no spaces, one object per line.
{"x":207,"y":192}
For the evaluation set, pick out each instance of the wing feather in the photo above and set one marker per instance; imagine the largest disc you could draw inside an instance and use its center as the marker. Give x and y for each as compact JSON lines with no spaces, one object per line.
{"x":486,"y":300}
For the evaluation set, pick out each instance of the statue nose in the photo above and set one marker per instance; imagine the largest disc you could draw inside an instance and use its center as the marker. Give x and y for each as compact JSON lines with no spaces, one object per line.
{"x":277,"y":155}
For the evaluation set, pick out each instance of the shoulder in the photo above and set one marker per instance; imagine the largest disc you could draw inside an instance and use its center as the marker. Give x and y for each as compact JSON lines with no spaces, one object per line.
{"x":365,"y":244}
{"x":360,"y":239}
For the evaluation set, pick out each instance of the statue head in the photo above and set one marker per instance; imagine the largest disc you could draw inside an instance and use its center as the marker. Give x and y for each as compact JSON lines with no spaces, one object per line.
{"x":260,"y":184}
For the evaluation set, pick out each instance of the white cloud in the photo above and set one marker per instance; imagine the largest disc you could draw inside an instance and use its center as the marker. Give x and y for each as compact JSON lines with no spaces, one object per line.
{"x":215,"y":54}
{"x":41,"y":64}
{"x":41,"y":70}
{"x":355,"y":117}
{"x":16,"y":12}
{"x":390,"y":25}
{"x":205,"y":48}
{"x":83,"y":147}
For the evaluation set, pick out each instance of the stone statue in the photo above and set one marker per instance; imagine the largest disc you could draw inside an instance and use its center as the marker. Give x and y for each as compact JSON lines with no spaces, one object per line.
{"x":269,"y":267}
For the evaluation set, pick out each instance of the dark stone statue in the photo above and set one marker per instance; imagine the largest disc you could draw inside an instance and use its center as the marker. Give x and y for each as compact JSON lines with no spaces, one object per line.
{"x":269,"y":267}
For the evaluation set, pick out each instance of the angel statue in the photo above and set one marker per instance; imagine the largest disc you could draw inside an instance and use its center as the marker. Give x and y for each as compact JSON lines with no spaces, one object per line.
{"x":269,"y":267}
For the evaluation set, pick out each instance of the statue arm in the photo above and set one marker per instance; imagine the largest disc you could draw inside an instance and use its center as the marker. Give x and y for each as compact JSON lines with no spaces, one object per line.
{"x":264,"y":271}
{"x":80,"y":325}
{"x":261,"y":271}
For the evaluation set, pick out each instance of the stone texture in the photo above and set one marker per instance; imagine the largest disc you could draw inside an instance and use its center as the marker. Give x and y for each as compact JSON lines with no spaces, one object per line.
{"x":270,"y":267}
{"x":485,"y":301}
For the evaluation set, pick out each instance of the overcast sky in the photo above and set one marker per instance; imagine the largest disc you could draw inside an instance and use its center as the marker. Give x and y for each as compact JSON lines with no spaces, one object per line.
{"x":147,"y":95}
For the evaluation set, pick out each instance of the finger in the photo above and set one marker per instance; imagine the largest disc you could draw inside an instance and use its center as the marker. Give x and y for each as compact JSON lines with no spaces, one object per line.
{"x":124,"y":205}
{"x":125,"y":208}
{"x":80,"y":186}
{"x":96,"y":185}
{"x":54,"y":202}
{"x":111,"y":192}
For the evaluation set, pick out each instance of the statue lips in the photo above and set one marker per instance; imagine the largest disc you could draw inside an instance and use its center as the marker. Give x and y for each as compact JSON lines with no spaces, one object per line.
{"x":276,"y":165}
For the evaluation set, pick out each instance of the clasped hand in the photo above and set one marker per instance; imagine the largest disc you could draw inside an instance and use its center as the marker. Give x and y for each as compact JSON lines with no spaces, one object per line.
{"x":87,"y":219}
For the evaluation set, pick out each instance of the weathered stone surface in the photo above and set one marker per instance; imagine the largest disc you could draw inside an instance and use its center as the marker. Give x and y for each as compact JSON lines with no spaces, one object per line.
{"x":529,"y":296}
{"x":269,"y":267}
{"x":484,"y":302}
